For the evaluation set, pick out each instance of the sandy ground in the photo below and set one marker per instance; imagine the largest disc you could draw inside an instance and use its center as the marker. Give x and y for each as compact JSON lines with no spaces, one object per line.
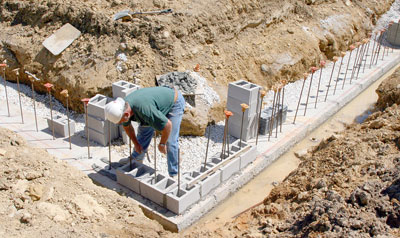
{"x":41,"y":196}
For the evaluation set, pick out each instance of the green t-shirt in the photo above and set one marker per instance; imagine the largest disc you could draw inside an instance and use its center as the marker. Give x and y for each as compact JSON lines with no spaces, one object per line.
{"x":150,"y":106}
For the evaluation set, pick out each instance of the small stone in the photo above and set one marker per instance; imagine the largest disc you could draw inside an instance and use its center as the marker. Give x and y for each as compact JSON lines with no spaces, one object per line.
{"x":166,"y":34}
{"x":301,"y":153}
{"x":35,"y":192}
{"x":290,"y":31}
{"x":321,"y":184}
{"x":122,"y":46}
{"x":264,"y":68}
{"x":2,"y":152}
{"x":26,"y":217}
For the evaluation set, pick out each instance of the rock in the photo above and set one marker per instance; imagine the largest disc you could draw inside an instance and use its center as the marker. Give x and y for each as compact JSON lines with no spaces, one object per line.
{"x":320,"y":184}
{"x":301,"y":153}
{"x":2,"y":152}
{"x":377,"y":124}
{"x":35,"y":191}
{"x":3,"y":184}
{"x":194,"y":122}
{"x":264,"y":68}
{"x":33,"y":175}
{"x":88,"y":206}
{"x":53,"y":211}
{"x":26,"y":217}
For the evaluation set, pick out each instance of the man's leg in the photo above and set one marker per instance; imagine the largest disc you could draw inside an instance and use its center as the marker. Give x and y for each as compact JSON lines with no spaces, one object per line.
{"x":144,"y":136}
{"x":175,"y":116}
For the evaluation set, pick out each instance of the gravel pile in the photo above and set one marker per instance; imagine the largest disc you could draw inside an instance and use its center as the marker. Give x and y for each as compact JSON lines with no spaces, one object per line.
{"x":181,"y":80}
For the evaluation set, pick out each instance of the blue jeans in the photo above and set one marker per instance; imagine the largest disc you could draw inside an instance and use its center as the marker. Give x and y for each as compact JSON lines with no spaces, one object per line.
{"x":146,"y":133}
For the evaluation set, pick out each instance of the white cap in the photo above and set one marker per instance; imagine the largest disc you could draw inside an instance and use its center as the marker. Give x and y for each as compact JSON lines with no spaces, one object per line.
{"x":114,"y":110}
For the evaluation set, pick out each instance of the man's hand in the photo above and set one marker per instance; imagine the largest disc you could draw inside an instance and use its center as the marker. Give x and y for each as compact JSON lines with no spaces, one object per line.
{"x":162,"y":148}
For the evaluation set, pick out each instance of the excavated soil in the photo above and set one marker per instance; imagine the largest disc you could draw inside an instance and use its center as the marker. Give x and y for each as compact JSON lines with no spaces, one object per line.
{"x":260,"y":41}
{"x":41,"y":196}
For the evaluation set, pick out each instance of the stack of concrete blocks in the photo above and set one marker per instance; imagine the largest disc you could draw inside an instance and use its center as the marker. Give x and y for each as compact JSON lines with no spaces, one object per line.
{"x":122,"y":89}
{"x":392,"y":35}
{"x":243,"y":92}
{"x":97,"y":123}
{"x":61,"y":126}
{"x":266,"y":118}
{"x":164,"y":191}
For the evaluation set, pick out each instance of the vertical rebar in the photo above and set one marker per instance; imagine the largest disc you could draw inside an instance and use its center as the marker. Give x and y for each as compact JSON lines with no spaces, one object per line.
{"x":335,"y":58}
{"x":48,"y":87}
{"x":85,"y":102}
{"x":208,"y":142}
{"x":109,"y":145}
{"x":4,"y":65}
{"x":130,"y":153}
{"x":278,"y":100}
{"x":19,"y":94}
{"x":357,"y":45}
{"x":272,"y":115}
{"x":313,"y":69}
{"x":373,"y":51}
{"x":379,"y":47}
{"x":305,"y":75}
{"x":342,"y":54}
{"x":284,"y":82}
{"x":34,"y":102}
{"x":65,"y":94}
{"x":224,"y":141}
{"x":352,"y":47}
{"x":322,"y":64}
{"x":366,"y":52}
{"x":179,"y":172}
{"x":362,"y":56}
{"x":244,"y":107}
{"x":155,"y":157}
{"x":262,"y":94}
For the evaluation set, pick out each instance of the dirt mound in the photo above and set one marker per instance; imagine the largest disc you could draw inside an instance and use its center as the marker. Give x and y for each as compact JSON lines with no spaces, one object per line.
{"x":261,"y":41}
{"x":389,"y":92}
{"x":42,"y":196}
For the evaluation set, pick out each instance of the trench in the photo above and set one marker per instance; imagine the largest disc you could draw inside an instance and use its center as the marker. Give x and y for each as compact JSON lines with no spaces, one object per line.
{"x":260,"y":186}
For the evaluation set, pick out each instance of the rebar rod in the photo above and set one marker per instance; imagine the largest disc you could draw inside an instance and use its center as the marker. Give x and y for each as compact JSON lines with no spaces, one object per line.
{"x":335,"y":58}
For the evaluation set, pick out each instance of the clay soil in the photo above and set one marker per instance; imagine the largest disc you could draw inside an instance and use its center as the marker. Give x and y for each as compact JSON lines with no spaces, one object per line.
{"x":348,"y":186}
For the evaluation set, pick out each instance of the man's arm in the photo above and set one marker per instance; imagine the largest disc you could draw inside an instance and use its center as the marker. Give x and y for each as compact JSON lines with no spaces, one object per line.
{"x":164,"y":137}
{"x":130,"y":131}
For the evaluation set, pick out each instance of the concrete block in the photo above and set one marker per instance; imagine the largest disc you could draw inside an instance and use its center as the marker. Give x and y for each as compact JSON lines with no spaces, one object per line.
{"x":96,"y":106}
{"x":391,"y":35}
{"x":101,"y":126}
{"x":266,"y":117}
{"x":156,"y":188}
{"x":249,"y":128}
{"x":61,"y":126}
{"x":210,"y":182}
{"x":130,"y":177}
{"x":123,"y":88}
{"x":243,"y":91}
{"x":101,"y":138}
{"x":230,"y":168}
{"x":248,"y":157}
{"x":178,"y":201}
{"x":233,"y":105}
